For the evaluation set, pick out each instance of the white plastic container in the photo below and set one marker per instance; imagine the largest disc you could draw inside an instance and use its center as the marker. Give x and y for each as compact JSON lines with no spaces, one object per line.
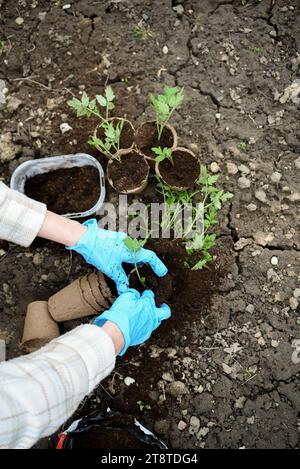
{"x":32,"y":168}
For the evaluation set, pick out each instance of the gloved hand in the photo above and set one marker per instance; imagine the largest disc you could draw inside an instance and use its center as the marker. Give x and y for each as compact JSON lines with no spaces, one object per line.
{"x":106,"y":251}
{"x":136,"y":316}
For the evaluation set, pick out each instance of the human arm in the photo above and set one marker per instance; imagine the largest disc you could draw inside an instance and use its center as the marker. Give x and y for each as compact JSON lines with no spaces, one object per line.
{"x":22,"y":219}
{"x":40,"y":391}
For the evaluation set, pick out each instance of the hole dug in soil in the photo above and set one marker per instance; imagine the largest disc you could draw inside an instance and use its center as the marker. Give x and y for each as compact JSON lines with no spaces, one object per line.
{"x":66,"y":190}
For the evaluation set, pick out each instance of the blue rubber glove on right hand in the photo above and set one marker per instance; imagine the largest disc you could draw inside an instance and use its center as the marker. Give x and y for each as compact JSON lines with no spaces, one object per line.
{"x":136,"y":316}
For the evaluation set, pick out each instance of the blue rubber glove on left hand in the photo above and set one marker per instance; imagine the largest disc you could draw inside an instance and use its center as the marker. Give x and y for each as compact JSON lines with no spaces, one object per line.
{"x":135,"y":315}
{"x":106,"y":251}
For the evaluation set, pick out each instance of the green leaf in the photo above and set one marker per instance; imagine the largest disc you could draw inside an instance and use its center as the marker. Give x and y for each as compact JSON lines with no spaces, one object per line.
{"x":109,"y":94}
{"x":101,"y":100}
{"x":85,"y":99}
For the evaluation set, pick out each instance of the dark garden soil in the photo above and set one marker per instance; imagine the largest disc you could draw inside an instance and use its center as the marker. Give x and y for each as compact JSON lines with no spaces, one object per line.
{"x":182,"y":171}
{"x":69,"y":190}
{"x":128,"y":173}
{"x":221,"y":372}
{"x":126,"y":137}
{"x":146,"y":137}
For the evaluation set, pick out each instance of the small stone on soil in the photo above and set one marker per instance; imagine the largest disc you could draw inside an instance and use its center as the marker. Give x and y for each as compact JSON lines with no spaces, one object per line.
{"x":19,"y":20}
{"x":232,"y":168}
{"x":293,"y":303}
{"x":276,"y":176}
{"x":177,"y":388}
{"x":182,"y":425}
{"x":244,"y":169}
{"x":261,"y":195}
{"x":165,"y":50}
{"x":243,"y":183}
{"x":296,"y":293}
{"x":214,"y":167}
{"x":251,"y":207}
{"x":129,"y":381}
{"x":65,"y":127}
{"x":274,"y":260}
{"x":37,"y":259}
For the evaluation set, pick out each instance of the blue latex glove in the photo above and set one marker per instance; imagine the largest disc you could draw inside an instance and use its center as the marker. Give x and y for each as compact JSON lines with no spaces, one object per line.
{"x":106,"y":251}
{"x":136,"y":316}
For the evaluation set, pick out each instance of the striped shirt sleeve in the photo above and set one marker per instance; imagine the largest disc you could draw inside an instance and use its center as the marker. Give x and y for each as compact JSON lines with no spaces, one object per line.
{"x":40,"y":391}
{"x":21,"y":218}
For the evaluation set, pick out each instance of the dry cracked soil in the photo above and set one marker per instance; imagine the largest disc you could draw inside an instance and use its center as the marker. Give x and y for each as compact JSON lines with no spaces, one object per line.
{"x":229,"y":376}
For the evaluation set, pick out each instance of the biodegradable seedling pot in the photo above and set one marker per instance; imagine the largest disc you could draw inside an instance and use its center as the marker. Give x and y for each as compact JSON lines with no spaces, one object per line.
{"x":146,"y":137}
{"x":126,"y":137}
{"x":100,"y":290}
{"x":39,"y":327}
{"x":86,"y":296}
{"x":182,"y":173}
{"x":130,"y":174}
{"x":69,"y":303}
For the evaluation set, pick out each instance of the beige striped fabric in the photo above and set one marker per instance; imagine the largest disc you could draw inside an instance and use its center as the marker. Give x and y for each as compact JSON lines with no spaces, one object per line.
{"x":40,"y":391}
{"x":21,"y":218}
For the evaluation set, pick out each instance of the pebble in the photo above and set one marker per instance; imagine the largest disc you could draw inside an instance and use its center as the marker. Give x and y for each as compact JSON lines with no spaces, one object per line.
{"x":231,"y":168}
{"x":273,"y":33}
{"x":37,"y":259}
{"x":227,"y":369}
{"x":19,"y":20}
{"x":250,"y":420}
{"x":42,"y":15}
{"x":274,"y":343}
{"x":179,"y":9}
{"x":251,"y":207}
{"x":244,"y":169}
{"x":261,"y":195}
{"x":194,"y":425}
{"x":297,"y":163}
{"x":274,"y":260}
{"x":234,"y":151}
{"x":167,"y":376}
{"x":243,"y":183}
{"x":250,"y":308}
{"x":276,"y":177}
{"x":214,"y":167}
{"x":296,"y":293}
{"x":182,"y":425}
{"x":65,"y":127}
{"x":66,"y":6}
{"x":13,"y":103}
{"x":165,"y":50}
{"x":261,"y":341}
{"x":240,"y":402}
{"x":293,"y":303}
{"x":177,"y":388}
{"x":262,"y":238}
{"x":8,"y":149}
{"x":129,"y":381}
{"x":3,"y":91}
{"x":241,"y":243}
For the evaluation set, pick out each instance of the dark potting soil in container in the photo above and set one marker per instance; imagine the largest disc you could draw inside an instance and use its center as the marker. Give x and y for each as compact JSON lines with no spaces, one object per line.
{"x":147,"y":137}
{"x":66,"y":190}
{"x":129,"y":172}
{"x":183,"y":172}
{"x":126,"y":137}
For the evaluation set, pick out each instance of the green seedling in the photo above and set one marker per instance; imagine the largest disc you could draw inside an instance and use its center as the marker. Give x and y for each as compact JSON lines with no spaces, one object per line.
{"x":143,"y":406}
{"x":2,"y":44}
{"x":111,"y":141}
{"x":100,"y":106}
{"x":165,"y":104}
{"x":135,"y":245}
{"x":162,"y":154}
{"x":139,"y":33}
{"x":213,"y":199}
{"x":242,"y":146}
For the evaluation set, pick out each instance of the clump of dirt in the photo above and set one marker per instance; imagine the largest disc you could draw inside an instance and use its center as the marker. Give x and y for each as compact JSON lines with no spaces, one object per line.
{"x":182,"y":171}
{"x":146,"y":138}
{"x":126,"y":137}
{"x":66,"y":190}
{"x":129,"y":173}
